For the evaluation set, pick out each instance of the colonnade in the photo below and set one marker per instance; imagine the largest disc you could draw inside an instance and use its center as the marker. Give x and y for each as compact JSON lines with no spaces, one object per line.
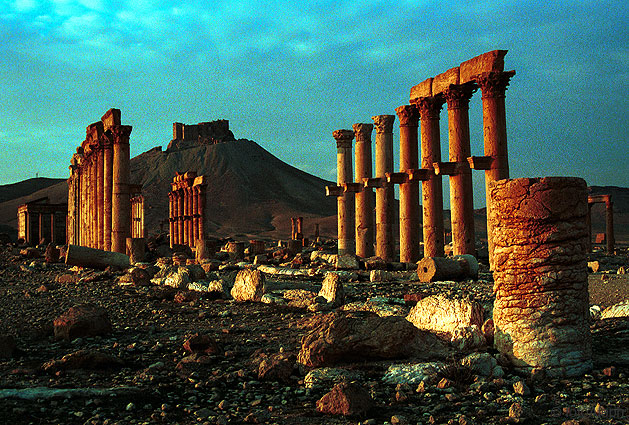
{"x":187,"y":202}
{"x":99,"y":206}
{"x":137,"y":217}
{"x":420,"y":117}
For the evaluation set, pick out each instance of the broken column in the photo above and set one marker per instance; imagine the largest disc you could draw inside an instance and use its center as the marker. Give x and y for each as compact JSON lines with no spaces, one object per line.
{"x":200,"y":186}
{"x":385,"y":194}
{"x":120,"y":208}
{"x":345,"y":201}
{"x":541,"y":311}
{"x":409,"y":190}
{"x":429,"y":107}
{"x":461,"y":192}
{"x":364,"y":197}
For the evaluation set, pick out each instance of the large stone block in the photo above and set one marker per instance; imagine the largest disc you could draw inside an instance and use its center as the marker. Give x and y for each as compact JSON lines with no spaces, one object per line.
{"x":423,"y":89}
{"x":83,"y":320}
{"x":248,"y":286}
{"x":443,"y":81}
{"x":439,"y":313}
{"x":487,"y":62}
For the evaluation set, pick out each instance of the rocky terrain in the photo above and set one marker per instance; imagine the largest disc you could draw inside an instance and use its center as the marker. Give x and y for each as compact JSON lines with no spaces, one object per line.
{"x":167,"y":342}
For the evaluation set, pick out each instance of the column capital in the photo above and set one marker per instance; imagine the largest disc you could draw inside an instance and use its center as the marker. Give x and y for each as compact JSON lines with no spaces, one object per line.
{"x":383,"y":123}
{"x":362,"y":132}
{"x":121,"y":134}
{"x":493,"y":84}
{"x":458,"y":95}
{"x":408,"y":115}
{"x":429,"y":107}
{"x":343,"y":138}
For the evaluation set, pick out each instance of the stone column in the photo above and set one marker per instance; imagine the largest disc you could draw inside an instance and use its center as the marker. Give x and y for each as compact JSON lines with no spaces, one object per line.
{"x":609,"y":225}
{"x":108,"y":173}
{"x":100,"y":196}
{"x":385,"y":193}
{"x":409,"y":190}
{"x":588,"y":223}
{"x":300,"y":228}
{"x":91,"y":213}
{"x":195,"y":214}
{"x":202,"y":201}
{"x":180,"y":217}
{"x":121,"y":208}
{"x":53,"y":240}
{"x":190,"y":217}
{"x":493,"y":86}
{"x":364,"y":198}
{"x":432,"y":194}
{"x":541,"y":311}
{"x":293,"y":228}
{"x":80,"y":238}
{"x":461,"y":192}
{"x":346,"y":200}
{"x":171,"y":221}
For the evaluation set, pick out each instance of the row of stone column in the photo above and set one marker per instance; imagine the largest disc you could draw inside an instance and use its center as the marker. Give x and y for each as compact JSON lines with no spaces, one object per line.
{"x":454,"y":88}
{"x":297,"y":228}
{"x":187,"y":202}
{"x":99,"y":210}
{"x":137,"y":216}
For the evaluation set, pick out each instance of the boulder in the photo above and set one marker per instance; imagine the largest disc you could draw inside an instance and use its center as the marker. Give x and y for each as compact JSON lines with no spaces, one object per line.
{"x":332,"y":290}
{"x":342,"y":336}
{"x":483,"y":364}
{"x":83,"y":359}
{"x":439,"y":313}
{"x":617,"y":310}
{"x":83,"y":320}
{"x":135,"y":276}
{"x":347,"y":399}
{"x":201,"y":344}
{"x":248,"y":286}
{"x":179,"y":278}
{"x":277,"y":367}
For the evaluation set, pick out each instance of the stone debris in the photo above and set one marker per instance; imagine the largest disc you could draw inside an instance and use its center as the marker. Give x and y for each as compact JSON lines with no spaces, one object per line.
{"x":347,"y":399}
{"x":248,"y":286}
{"x":341,"y":337}
{"x":326,"y":377}
{"x":442,"y":314}
{"x":83,"y":320}
{"x":277,"y":367}
{"x":483,"y":364}
{"x":411,"y":373}
{"x":332,"y":290}
{"x":83,"y":359}
{"x":135,"y":276}
{"x":617,"y":310}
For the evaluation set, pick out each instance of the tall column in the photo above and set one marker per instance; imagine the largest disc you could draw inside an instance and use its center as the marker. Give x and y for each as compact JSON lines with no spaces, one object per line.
{"x":346,"y":200}
{"x":461,"y":192}
{"x":588,"y":224}
{"x":432,"y":195}
{"x":409,"y":190}
{"x":93,"y":199}
{"x":108,"y":168}
{"x":609,"y":225}
{"x":293,"y":228}
{"x":493,"y":86}
{"x":195,"y":214}
{"x":202,"y":210}
{"x":88,"y":207}
{"x":385,"y":194}
{"x":364,"y":198}
{"x":171,"y":219}
{"x":53,"y":240}
{"x":40,"y":223}
{"x":100,"y":196}
{"x":190,"y":217}
{"x":180,"y":216}
{"x":121,"y":213}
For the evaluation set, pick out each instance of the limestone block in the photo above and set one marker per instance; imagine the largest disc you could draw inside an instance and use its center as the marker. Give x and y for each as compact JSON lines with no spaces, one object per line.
{"x":617,"y":310}
{"x":347,"y":399}
{"x":442,"y":314}
{"x":248,"y":286}
{"x":423,"y":89}
{"x":487,"y":62}
{"x":178,"y":279}
{"x":443,"y":81}
{"x":332,"y":290}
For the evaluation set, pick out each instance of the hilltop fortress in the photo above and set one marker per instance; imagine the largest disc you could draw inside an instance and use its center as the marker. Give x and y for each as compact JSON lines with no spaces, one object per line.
{"x":204,"y":133}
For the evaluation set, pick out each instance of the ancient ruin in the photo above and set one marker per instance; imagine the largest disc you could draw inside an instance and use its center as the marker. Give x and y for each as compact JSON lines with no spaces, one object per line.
{"x":345,"y":197}
{"x":541,"y":312}
{"x":39,"y":220}
{"x":455,"y":88}
{"x":609,"y":221}
{"x":99,"y":198}
{"x":205,"y":133}
{"x":187,"y":201}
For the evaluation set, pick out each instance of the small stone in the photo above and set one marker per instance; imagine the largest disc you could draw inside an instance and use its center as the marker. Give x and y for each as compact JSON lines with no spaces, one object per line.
{"x":445,"y":383}
{"x":521,"y":388}
{"x":399,"y":420}
{"x":347,"y":399}
{"x":130,"y":407}
{"x":610,"y":371}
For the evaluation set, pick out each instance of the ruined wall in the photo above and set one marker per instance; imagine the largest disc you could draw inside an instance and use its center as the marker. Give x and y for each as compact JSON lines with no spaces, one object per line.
{"x":204,"y":133}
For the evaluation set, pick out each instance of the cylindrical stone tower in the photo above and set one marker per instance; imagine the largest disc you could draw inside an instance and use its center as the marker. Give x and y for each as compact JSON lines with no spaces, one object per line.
{"x":345,"y":202}
{"x":541,"y":311}
{"x":364,"y":198}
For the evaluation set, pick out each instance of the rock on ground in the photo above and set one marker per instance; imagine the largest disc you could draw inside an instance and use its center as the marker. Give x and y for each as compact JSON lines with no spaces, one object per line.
{"x":83,"y":320}
{"x":440,"y":313}
{"x":347,"y":399}
{"x":248,"y":286}
{"x":332,"y":290}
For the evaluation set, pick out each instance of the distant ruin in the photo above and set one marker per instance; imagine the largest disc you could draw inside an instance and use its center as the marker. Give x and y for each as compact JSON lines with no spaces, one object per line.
{"x":187,"y":201}
{"x":40,"y":220}
{"x":204,"y":133}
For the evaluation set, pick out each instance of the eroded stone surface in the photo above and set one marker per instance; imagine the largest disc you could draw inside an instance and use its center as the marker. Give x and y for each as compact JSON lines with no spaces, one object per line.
{"x":442,"y":314}
{"x":248,"y":286}
{"x":541,"y":312}
{"x":332,"y":290}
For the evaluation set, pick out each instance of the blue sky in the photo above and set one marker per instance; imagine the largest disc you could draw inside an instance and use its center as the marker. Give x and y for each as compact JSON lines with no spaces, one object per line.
{"x":286,"y":75}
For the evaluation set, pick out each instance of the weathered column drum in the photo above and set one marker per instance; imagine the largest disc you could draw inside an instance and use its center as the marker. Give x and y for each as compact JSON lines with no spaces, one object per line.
{"x":540,"y":274}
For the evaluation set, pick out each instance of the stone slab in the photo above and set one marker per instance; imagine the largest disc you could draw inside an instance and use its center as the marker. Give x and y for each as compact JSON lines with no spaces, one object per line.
{"x":487,"y":62}
{"x":443,"y":81}
{"x":423,"y":89}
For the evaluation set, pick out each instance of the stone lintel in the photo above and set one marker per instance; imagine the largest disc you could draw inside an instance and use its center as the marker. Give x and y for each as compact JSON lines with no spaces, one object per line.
{"x":447,"y":168}
{"x":423,"y":89}
{"x":334,"y":190}
{"x":480,"y":162}
{"x":111,"y":118}
{"x":596,"y":199}
{"x":487,"y":62}
{"x":375,"y":182}
{"x":443,"y":81}
{"x":353,"y":187}
{"x":421,"y":174}
{"x":397,"y":178}
{"x":94,"y":131}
